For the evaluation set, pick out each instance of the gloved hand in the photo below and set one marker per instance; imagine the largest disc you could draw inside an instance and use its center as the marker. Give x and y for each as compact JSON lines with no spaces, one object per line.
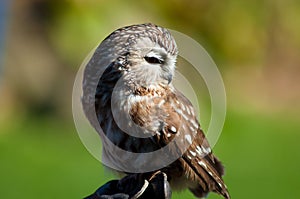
{"x":135,"y":186}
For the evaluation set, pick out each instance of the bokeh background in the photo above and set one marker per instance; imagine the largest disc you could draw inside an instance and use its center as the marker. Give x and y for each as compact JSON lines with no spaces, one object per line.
{"x":255,"y":44}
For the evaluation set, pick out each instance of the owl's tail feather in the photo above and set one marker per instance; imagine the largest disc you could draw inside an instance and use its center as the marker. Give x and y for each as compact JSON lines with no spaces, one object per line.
{"x":209,"y":174}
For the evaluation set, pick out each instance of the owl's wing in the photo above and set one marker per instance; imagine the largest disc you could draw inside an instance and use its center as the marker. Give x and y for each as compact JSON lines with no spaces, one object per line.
{"x":178,"y":121}
{"x":199,"y":161}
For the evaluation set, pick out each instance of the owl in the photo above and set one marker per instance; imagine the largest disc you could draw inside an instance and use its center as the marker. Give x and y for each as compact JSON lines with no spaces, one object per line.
{"x":128,"y":97}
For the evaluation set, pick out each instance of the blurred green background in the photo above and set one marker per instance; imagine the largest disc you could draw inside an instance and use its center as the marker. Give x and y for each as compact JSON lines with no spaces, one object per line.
{"x":255,"y":44}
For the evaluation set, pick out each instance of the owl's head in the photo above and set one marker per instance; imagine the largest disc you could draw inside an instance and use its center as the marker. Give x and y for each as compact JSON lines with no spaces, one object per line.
{"x":146,"y":53}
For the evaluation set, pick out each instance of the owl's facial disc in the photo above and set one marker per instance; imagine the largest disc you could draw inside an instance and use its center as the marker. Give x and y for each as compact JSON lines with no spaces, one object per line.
{"x":151,"y":63}
{"x":159,"y":57}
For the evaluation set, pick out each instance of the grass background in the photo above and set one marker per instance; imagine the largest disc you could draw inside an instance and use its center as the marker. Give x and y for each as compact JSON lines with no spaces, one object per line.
{"x":259,"y":154}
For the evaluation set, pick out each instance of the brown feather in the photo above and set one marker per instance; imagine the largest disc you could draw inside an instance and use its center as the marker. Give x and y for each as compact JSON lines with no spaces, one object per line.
{"x":206,"y":175}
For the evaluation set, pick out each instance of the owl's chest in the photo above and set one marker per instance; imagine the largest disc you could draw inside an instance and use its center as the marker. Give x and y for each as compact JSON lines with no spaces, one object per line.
{"x":138,"y":111}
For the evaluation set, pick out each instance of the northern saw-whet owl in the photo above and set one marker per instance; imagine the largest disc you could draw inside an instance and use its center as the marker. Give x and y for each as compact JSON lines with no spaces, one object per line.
{"x":128,"y":96}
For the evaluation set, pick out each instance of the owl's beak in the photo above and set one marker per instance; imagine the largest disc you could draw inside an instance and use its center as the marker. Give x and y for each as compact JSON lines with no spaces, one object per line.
{"x":169,"y":78}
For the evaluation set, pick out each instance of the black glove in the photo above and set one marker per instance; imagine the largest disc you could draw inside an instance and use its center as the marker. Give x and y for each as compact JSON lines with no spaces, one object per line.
{"x":135,"y":186}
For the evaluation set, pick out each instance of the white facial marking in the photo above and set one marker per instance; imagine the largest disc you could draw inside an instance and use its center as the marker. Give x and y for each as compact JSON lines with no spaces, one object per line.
{"x":154,"y":54}
{"x":169,"y":135}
